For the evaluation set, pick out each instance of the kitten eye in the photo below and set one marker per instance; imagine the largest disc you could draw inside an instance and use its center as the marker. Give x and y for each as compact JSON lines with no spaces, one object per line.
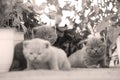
{"x":99,"y":46}
{"x":39,"y":53}
{"x":92,"y":48}
{"x":31,"y":53}
{"x":49,"y":36}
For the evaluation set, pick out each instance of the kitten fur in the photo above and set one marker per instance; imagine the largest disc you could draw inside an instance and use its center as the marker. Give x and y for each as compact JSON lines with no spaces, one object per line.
{"x":19,"y":62}
{"x":92,"y":55}
{"x":118,"y":48}
{"x":41,"y":55}
{"x":45,"y":32}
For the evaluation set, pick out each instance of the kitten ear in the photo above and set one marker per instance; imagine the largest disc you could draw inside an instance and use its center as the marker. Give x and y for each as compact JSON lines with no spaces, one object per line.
{"x":47,"y":45}
{"x":25,"y":43}
{"x":102,"y":39}
{"x":83,"y":42}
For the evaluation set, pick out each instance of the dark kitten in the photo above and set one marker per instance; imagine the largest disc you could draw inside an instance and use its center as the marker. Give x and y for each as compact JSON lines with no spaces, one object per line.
{"x":19,"y":62}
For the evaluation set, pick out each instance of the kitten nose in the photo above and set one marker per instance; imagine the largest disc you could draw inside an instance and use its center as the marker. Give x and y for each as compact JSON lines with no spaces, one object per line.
{"x":35,"y":57}
{"x":95,"y":50}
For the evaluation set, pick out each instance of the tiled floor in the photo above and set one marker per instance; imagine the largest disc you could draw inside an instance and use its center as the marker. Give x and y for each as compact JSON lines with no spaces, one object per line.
{"x":75,"y":74}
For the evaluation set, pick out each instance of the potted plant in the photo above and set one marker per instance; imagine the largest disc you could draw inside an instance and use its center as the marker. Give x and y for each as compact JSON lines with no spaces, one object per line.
{"x":11,"y":25}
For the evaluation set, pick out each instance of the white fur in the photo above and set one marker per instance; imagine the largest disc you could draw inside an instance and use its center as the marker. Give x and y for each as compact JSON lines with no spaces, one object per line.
{"x":55,"y":58}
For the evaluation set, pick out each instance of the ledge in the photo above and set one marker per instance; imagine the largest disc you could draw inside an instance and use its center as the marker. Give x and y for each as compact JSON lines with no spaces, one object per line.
{"x":75,"y":74}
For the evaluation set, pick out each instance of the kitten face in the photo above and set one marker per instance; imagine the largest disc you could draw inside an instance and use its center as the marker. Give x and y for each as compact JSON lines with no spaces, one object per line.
{"x":34,"y":50}
{"x":95,"y":48}
{"x":46,"y":33}
{"x":32,"y":54}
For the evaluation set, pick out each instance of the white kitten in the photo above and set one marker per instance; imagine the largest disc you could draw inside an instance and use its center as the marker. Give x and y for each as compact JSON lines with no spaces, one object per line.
{"x":41,"y":55}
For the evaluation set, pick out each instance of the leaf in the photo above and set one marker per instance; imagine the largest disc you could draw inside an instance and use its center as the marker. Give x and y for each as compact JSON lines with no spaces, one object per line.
{"x":58,"y":19}
{"x":20,"y":7}
{"x":104,"y":23}
{"x":83,"y":3}
{"x":24,"y":28}
{"x":68,"y":7}
{"x":96,"y":8}
{"x":113,"y":33}
{"x":92,"y":23}
{"x":88,"y":2}
{"x":100,"y":11}
{"x":52,"y":15}
{"x":16,"y":22}
{"x":42,"y":6}
{"x":93,"y":13}
{"x":25,"y":8}
{"x":19,"y":1}
{"x":53,"y":2}
{"x":5,"y":7}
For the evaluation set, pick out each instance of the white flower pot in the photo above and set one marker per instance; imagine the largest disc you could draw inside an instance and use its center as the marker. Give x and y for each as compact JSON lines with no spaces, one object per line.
{"x":6,"y":49}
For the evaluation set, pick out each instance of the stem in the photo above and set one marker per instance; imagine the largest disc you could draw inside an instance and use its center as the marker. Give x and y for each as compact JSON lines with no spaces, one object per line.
{"x":2,"y":22}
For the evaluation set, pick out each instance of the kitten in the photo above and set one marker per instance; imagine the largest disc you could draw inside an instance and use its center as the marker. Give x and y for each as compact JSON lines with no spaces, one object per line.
{"x":45,"y":32}
{"x":114,"y":62}
{"x":19,"y":62}
{"x":92,"y":55}
{"x":118,"y":48}
{"x":41,"y":55}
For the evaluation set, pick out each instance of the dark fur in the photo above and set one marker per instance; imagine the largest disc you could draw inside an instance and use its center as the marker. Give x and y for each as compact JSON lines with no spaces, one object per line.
{"x":19,"y":62}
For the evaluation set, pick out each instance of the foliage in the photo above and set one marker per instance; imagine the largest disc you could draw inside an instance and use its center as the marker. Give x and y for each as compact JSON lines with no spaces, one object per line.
{"x":11,"y":14}
{"x":75,"y":20}
{"x":90,"y":15}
